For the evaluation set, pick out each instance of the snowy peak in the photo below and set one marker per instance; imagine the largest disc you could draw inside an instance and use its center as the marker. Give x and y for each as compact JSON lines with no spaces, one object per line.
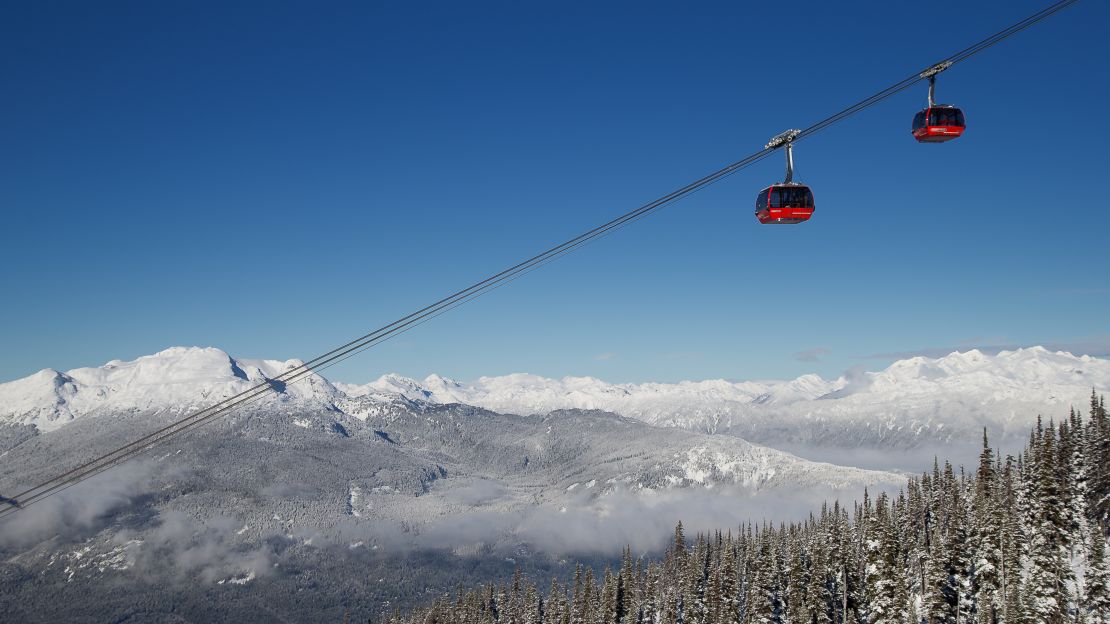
{"x":38,"y":397}
{"x":387,"y":385}
{"x":909,"y":402}
{"x":178,"y":378}
{"x":1009,"y":371}
{"x":912,"y":400}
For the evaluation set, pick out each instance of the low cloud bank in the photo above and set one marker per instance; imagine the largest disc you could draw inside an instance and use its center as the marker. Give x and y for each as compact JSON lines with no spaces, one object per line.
{"x":913,"y":461}
{"x":207,"y":550}
{"x":641,"y":519}
{"x":78,"y":511}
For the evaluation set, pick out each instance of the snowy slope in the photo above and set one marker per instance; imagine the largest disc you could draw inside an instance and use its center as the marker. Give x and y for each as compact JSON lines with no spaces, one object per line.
{"x":910,"y":402}
{"x":390,"y":454}
{"x":382,"y":456}
{"x":176,"y":379}
{"x":289,"y":500}
{"x":427,"y":467}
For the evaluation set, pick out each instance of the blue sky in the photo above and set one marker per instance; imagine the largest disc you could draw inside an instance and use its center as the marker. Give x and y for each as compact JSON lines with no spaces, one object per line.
{"x":275,"y":179}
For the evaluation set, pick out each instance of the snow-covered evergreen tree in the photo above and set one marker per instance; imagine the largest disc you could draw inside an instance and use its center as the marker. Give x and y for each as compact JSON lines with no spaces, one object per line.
{"x":1098,"y":454}
{"x":1047,"y":598}
{"x":987,"y":539}
{"x":885,"y":592}
{"x":1096,"y":586}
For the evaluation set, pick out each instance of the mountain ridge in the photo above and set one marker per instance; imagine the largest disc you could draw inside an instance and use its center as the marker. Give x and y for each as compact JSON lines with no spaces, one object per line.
{"x":910,"y":401}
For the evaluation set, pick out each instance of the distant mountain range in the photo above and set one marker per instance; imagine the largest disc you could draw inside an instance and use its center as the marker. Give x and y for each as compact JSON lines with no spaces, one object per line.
{"x":912,"y":402}
{"x":916,"y":401}
{"x":89,"y":409}
{"x":431,"y":479}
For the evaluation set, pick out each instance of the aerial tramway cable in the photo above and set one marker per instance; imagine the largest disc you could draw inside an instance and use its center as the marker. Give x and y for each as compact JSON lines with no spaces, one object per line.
{"x":106,"y":461}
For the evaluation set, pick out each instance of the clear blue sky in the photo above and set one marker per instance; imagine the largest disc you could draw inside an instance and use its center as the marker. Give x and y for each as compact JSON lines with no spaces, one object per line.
{"x":276,"y":178}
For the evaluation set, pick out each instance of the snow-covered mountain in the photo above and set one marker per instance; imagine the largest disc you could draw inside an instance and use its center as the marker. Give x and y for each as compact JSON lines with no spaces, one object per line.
{"x":179,"y":379}
{"x":78,"y":413}
{"x":914,"y":401}
{"x":910,"y":403}
{"x":283,"y":505}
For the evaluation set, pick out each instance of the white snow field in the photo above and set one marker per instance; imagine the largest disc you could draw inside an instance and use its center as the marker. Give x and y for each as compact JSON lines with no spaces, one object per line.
{"x":914,"y":401}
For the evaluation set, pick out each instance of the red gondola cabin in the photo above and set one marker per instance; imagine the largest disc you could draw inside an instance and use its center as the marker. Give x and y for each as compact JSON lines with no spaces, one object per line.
{"x":784,"y":203}
{"x":938,"y":124}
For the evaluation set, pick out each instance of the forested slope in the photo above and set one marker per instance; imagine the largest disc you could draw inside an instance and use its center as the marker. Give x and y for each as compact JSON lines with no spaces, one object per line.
{"x":1019,"y":539}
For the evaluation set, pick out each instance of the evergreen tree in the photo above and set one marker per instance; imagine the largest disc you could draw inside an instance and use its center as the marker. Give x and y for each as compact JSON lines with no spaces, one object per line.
{"x":795,"y":574}
{"x":1011,"y":541}
{"x":578,"y":603}
{"x":1096,"y":590}
{"x":585,"y":606}
{"x":884,"y":592}
{"x":763,"y":602}
{"x":608,"y":613}
{"x":1097,"y":442}
{"x":1079,"y":483}
{"x":987,"y":539}
{"x":1047,"y":593}
{"x":820,"y":581}
{"x":532,"y":607}
{"x":693,"y":591}
{"x":728,"y":590}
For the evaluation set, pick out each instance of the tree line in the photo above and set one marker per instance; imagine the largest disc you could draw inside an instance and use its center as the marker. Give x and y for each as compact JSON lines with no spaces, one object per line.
{"x":1020,"y":540}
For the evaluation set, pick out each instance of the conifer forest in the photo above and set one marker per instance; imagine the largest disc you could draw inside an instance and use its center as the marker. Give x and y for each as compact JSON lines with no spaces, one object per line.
{"x":1020,"y":539}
